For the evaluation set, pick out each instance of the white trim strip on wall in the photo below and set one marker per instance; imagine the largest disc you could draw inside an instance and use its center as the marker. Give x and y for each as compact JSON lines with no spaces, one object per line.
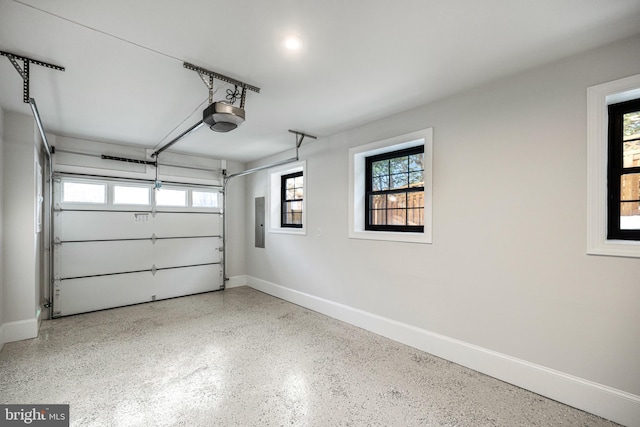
{"x":236,"y":281}
{"x":598,"y":399}
{"x":18,"y":330}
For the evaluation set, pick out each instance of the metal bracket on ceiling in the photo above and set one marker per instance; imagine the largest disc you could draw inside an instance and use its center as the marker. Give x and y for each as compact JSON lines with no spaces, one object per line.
{"x":299,"y":138}
{"x":219,"y":76}
{"x":204,"y":73}
{"x":209,"y":84}
{"x":24,"y":71}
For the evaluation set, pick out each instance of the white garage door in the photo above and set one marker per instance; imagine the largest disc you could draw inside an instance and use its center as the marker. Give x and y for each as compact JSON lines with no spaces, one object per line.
{"x":119,"y":243}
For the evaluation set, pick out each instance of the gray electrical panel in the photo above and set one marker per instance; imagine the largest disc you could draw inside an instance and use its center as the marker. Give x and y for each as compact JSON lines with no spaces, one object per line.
{"x":259,"y":227}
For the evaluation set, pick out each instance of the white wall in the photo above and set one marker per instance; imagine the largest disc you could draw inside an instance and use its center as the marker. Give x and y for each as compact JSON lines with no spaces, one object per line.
{"x":20,"y":244}
{"x":507,"y":275}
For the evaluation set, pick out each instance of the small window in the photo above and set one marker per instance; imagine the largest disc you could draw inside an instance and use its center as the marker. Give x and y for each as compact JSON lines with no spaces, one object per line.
{"x":130,"y":195}
{"x":83,"y":192}
{"x":280,"y":200}
{"x":599,"y":160}
{"x":394,"y":191}
{"x":623,"y":181}
{"x":292,"y":196}
{"x":171,"y":197}
{"x":204,"y":199}
{"x":408,"y":203}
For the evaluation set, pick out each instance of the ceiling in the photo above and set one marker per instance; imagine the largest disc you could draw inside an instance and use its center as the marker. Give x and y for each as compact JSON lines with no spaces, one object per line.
{"x":360,"y":60}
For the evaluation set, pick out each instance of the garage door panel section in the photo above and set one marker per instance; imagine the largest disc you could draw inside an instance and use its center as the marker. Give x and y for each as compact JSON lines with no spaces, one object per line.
{"x":89,"y":258}
{"x":73,"y":296}
{"x":100,"y":225}
{"x":189,"y":280}
{"x":186,"y":251}
{"x":187,"y":224}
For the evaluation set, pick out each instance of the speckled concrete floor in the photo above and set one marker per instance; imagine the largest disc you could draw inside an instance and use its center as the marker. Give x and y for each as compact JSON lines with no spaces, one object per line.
{"x":243,"y":358}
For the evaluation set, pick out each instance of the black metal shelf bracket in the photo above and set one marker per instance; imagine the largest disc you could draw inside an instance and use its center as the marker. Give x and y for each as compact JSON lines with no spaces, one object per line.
{"x":129,"y":160}
{"x":24,"y":70}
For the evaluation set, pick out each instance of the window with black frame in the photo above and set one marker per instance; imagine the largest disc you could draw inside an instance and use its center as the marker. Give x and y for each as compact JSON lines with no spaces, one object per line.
{"x":623,"y":171}
{"x":394,"y":191}
{"x":292,"y":199}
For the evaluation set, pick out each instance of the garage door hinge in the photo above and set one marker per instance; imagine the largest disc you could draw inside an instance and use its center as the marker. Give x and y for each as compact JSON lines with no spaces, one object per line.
{"x":154,"y":238}
{"x":57,"y":241}
{"x":57,"y":207}
{"x":154,"y":269}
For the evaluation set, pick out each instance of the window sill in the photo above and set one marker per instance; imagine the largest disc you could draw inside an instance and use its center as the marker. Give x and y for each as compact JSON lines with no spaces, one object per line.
{"x":298,"y":231}
{"x":620,"y":248}
{"x":391,"y":236}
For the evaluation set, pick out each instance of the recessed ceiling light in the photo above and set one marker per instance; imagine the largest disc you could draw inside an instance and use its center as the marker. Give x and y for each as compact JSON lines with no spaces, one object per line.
{"x":292,"y":43}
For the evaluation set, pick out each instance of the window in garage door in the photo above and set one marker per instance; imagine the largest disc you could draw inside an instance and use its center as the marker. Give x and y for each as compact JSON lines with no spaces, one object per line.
{"x":171,"y":197}
{"x":120,"y":243}
{"x":84,"y":192}
{"x":131,"y":195}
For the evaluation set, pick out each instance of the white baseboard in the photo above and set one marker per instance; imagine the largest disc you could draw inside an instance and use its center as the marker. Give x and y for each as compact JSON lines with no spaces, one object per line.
{"x":19,"y":330}
{"x":236,"y":281}
{"x":607,"y":402}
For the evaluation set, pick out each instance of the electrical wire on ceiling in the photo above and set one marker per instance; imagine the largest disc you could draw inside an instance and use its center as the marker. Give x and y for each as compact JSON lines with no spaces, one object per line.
{"x":99,"y":31}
